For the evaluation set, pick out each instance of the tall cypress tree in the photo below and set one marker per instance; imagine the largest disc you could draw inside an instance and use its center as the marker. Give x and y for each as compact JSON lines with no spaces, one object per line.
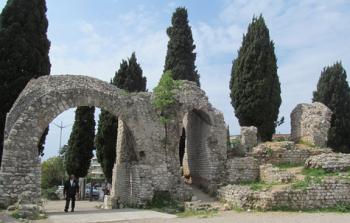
{"x":255,"y":87}
{"x":180,"y":58}
{"x":128,"y":77}
{"x":333,"y":91}
{"x":24,"y":52}
{"x":81,"y":142}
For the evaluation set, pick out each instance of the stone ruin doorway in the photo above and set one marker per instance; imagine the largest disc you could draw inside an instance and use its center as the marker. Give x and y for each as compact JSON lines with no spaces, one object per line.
{"x":193,"y":148}
{"x":144,"y":167}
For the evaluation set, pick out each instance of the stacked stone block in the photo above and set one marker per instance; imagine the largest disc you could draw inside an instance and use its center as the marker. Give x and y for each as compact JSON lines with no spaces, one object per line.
{"x":332,"y":162}
{"x":310,"y":123}
{"x":329,"y":193}
{"x":242,"y":169}
{"x":271,"y":174}
{"x":249,"y":137}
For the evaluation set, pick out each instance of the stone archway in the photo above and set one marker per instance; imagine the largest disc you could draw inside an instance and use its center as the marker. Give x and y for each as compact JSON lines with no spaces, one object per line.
{"x":142,"y":166}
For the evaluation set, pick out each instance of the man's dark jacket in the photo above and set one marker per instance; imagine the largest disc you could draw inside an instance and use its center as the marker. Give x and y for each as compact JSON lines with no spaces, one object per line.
{"x":71,"y":190}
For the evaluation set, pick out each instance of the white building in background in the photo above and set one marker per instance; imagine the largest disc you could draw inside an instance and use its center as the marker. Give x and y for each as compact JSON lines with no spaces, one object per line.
{"x":95,"y":170}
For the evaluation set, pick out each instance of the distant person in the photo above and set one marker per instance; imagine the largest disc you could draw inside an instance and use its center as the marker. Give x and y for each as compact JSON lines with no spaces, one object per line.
{"x":71,"y":188}
{"x":91,"y":190}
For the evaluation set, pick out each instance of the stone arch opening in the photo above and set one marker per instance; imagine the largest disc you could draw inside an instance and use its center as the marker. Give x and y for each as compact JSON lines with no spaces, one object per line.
{"x":33,"y":111}
{"x":194,"y":152}
{"x":144,"y":167}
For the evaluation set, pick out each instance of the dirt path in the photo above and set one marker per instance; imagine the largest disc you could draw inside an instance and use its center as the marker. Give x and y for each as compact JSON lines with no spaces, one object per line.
{"x":200,"y":195}
{"x":266,"y":217}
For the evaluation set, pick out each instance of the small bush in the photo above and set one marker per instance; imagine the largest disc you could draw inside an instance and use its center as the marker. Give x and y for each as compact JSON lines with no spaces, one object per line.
{"x":50,"y":193}
{"x":163,"y":201}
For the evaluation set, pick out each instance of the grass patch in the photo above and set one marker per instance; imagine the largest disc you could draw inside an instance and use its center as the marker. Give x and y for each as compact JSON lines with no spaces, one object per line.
{"x":163,"y":202}
{"x":303,"y":184}
{"x":37,"y":216}
{"x":339,"y":208}
{"x":316,"y":172}
{"x":269,"y":152}
{"x":288,"y":165}
{"x":201,"y":214}
{"x":259,"y":185}
{"x":306,"y":143}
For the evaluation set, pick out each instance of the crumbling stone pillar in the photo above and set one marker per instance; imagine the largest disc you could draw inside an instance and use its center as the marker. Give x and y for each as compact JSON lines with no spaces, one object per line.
{"x":310,"y":124}
{"x":249,"y":137}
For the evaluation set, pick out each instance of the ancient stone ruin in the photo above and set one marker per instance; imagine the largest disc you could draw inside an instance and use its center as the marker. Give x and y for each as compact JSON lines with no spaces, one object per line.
{"x":249,"y":137}
{"x":310,"y":123}
{"x":147,"y":160}
{"x":190,"y":149}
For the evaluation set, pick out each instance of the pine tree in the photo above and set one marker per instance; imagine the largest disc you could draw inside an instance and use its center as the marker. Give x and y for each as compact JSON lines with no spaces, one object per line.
{"x":333,"y":91}
{"x":255,"y":87}
{"x":24,"y":52}
{"x":105,"y":142}
{"x":81,"y":142}
{"x":180,"y":58}
{"x":128,"y":77}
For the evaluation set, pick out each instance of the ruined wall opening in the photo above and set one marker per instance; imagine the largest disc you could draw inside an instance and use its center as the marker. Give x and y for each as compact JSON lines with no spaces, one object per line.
{"x":182,"y":145}
{"x":38,"y":105}
{"x":60,"y":132}
{"x":193,"y":148}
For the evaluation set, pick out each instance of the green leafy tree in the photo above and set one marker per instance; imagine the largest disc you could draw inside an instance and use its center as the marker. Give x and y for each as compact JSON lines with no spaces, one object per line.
{"x":52,"y":172}
{"x":24,"y":52}
{"x":128,"y":77}
{"x":81,"y":142}
{"x":333,"y":91}
{"x":180,"y":58}
{"x":255,"y":87}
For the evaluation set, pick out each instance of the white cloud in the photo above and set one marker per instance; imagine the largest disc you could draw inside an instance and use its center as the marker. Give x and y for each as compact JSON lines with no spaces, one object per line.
{"x":308,"y":35}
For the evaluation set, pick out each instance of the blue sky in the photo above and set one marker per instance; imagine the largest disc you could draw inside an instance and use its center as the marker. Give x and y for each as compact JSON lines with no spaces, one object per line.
{"x":92,"y":37}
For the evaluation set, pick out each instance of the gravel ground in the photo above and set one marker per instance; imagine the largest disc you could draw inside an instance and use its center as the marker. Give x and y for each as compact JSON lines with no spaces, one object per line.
{"x":259,"y":217}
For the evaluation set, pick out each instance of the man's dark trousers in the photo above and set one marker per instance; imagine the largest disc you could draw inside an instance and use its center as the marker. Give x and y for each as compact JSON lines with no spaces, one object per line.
{"x":68,"y":198}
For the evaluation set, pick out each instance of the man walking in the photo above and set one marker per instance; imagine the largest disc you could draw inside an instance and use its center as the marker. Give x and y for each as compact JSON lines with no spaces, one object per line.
{"x":71,"y":188}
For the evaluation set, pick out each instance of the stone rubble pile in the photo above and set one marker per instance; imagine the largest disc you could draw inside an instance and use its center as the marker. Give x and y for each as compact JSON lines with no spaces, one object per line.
{"x":271,"y":174}
{"x":332,"y":162}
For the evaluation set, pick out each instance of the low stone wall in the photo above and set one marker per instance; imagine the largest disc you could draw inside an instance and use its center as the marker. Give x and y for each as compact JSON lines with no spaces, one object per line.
{"x":271,"y":174}
{"x":285,"y":152}
{"x":330,"y":162}
{"x":329,"y":193}
{"x":242,"y":169}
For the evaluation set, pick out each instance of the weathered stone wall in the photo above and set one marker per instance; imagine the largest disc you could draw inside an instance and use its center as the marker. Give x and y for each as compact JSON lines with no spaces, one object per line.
{"x":328,"y":194}
{"x":284,"y":152}
{"x":310,"y":123}
{"x":198,"y":157}
{"x":249,"y":137}
{"x":144,"y":163}
{"x":271,"y":174}
{"x":242,"y":169}
{"x":332,"y":162}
